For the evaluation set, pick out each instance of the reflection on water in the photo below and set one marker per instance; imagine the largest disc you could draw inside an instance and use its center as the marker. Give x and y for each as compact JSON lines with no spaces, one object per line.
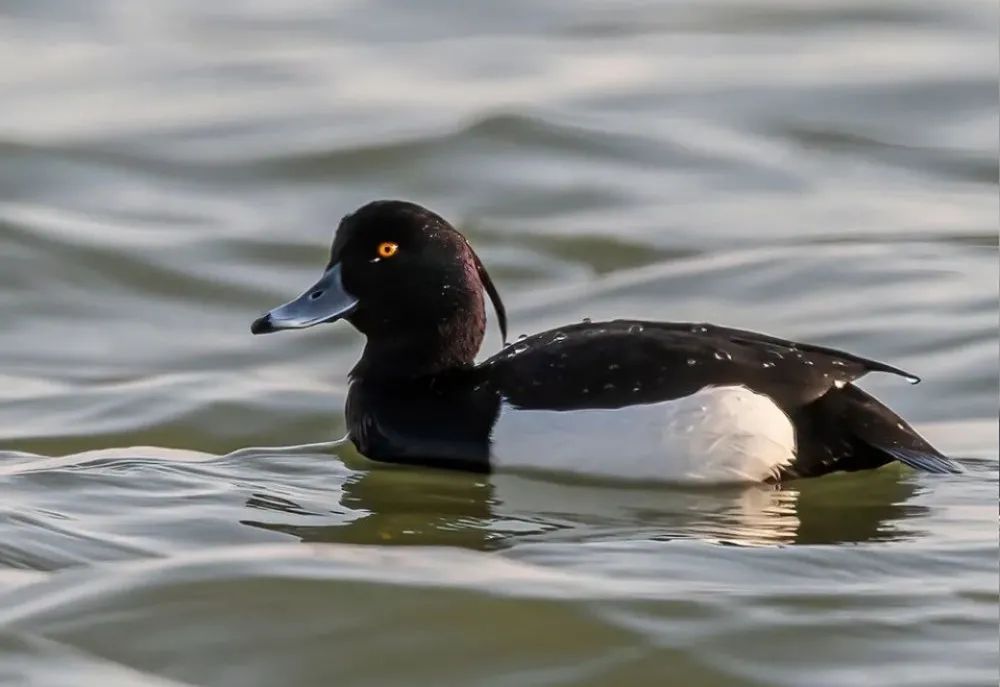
{"x":392,"y":505}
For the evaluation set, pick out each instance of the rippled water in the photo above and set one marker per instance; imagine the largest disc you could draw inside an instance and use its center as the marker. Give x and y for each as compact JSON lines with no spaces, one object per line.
{"x":819,"y":170}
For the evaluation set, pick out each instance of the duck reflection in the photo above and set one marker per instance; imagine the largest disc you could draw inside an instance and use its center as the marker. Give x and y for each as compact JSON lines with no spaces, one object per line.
{"x":395,"y":505}
{"x":389,"y":505}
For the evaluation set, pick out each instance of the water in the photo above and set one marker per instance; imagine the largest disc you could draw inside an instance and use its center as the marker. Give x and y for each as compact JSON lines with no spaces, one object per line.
{"x":168,"y":170}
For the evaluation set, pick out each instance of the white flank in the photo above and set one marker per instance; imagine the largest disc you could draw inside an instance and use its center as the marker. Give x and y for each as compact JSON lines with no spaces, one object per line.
{"x":717,"y":435}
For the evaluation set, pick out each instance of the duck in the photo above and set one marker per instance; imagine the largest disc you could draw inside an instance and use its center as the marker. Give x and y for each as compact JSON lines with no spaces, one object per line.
{"x":684,"y":402}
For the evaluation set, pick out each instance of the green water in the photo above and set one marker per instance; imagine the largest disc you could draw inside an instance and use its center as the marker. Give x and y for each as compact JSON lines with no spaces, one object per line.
{"x":822,"y":170}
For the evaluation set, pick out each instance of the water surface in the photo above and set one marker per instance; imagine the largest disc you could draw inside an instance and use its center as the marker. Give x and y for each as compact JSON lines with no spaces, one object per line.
{"x":821,"y":170}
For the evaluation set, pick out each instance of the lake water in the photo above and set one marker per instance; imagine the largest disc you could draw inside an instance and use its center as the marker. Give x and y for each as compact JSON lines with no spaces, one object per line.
{"x":825,"y":171}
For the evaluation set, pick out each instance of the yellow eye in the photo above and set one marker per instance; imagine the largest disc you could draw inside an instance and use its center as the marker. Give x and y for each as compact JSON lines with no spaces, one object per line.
{"x":387,"y":249}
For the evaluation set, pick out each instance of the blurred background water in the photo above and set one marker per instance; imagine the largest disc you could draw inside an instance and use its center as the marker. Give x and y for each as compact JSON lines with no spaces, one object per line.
{"x":823,"y":170}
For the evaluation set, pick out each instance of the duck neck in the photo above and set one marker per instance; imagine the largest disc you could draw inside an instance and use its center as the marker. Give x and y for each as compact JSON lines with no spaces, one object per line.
{"x":450,"y":346}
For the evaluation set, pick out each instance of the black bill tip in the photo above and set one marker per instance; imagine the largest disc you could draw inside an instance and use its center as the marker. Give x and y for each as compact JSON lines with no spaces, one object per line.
{"x":262,"y":325}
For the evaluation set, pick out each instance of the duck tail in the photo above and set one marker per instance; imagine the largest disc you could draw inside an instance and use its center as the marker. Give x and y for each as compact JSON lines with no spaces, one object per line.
{"x":878,"y":435}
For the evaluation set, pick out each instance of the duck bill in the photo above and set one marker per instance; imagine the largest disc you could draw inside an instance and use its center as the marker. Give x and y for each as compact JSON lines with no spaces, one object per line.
{"x":325,"y":301}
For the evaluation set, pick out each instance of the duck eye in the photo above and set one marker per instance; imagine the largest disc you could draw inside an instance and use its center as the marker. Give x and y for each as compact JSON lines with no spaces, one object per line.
{"x":387,"y":249}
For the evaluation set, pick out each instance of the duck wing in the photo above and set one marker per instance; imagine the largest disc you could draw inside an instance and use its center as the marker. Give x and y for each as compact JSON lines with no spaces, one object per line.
{"x":628,"y":362}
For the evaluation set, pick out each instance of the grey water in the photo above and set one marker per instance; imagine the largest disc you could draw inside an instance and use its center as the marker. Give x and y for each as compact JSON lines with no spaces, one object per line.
{"x":822,"y":170}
